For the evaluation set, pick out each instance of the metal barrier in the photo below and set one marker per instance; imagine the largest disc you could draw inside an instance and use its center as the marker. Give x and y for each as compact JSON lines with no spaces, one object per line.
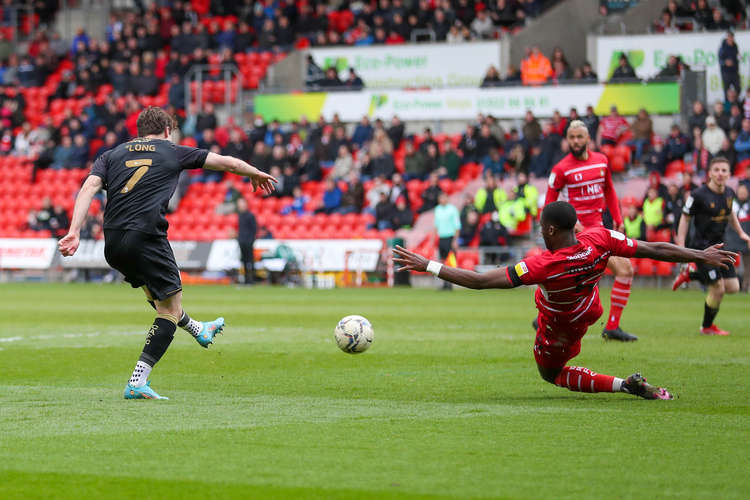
{"x":230,"y":74}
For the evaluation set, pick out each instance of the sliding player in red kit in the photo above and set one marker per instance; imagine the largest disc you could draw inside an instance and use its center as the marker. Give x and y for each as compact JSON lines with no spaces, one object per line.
{"x":585,"y":176}
{"x":568,"y":295}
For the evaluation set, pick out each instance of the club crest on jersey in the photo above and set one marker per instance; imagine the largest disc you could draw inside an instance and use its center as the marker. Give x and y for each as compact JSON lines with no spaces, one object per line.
{"x":521,"y":269}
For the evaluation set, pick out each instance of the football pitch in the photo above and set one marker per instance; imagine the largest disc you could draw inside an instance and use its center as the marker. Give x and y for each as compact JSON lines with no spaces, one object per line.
{"x":447,"y":403}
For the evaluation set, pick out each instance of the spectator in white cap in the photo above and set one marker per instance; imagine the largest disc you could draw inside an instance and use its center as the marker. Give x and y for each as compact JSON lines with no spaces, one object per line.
{"x":713,"y":136}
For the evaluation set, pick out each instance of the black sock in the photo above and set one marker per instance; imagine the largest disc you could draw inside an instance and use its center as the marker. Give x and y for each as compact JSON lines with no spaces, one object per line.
{"x":709,"y":314}
{"x":695,"y":276}
{"x":184,"y":320}
{"x":158,"y":339}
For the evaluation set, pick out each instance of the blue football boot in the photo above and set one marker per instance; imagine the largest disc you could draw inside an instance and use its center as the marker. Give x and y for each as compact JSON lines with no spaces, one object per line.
{"x":210,"y":329}
{"x":143,"y":392}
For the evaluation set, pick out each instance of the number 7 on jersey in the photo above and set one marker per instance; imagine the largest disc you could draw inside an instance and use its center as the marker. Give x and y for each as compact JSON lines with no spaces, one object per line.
{"x":143,"y":165}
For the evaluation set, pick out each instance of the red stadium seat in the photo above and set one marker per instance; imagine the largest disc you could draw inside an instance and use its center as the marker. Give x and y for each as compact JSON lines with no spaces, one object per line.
{"x":618,"y":164}
{"x":646,"y":267}
{"x":664,"y":268}
{"x":742,"y":168}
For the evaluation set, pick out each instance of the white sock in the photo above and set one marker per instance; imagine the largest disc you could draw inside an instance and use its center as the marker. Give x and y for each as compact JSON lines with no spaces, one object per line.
{"x":617,"y":384}
{"x":193,"y":327}
{"x":140,"y":374}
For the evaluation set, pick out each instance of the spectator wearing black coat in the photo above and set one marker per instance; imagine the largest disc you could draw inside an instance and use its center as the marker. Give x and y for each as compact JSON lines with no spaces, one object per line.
{"x":206,"y":119}
{"x":396,"y":131}
{"x":237,"y":147}
{"x":402,"y":215}
{"x":247,"y":229}
{"x":624,"y":70}
{"x":431,"y":194}
{"x":729,"y":63}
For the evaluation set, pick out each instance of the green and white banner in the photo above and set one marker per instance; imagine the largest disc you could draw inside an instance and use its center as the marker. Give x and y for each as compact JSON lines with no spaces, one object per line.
{"x":648,"y":54}
{"x":467,"y":103}
{"x":415,"y":65}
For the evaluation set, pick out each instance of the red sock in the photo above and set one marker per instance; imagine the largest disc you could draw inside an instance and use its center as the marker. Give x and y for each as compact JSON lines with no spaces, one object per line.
{"x":619,"y":299}
{"x":580,"y":379}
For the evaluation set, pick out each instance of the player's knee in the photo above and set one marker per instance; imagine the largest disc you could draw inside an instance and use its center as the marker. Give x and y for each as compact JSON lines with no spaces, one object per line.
{"x":731,"y":286}
{"x":170,"y":306}
{"x":548,"y":374}
{"x":625,"y":269}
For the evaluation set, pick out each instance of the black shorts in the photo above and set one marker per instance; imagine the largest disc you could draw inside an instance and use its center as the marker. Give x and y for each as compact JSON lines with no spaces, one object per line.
{"x":711,"y":274}
{"x":144,"y":259}
{"x":445,"y":245}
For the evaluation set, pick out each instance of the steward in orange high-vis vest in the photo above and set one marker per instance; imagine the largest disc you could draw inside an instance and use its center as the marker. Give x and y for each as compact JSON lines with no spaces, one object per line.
{"x":536,"y":68}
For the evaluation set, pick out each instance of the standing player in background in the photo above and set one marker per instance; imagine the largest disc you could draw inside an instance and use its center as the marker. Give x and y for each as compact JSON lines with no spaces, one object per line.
{"x":140,"y":177}
{"x":711,"y":206}
{"x":568,"y":295}
{"x":585,"y":176}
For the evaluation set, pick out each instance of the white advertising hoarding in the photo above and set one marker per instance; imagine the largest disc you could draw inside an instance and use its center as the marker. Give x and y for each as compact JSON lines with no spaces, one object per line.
{"x":27,"y":253}
{"x":414,"y":65}
{"x":648,"y":54}
{"x":312,"y":255}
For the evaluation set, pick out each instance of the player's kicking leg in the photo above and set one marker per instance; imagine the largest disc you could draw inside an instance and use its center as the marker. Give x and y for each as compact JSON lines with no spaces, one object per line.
{"x":623,"y":271}
{"x":202,"y":331}
{"x":159,"y":337}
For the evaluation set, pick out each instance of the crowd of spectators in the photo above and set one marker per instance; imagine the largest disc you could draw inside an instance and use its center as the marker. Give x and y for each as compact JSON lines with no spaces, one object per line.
{"x":538,"y":69}
{"x":305,"y":24}
{"x":691,"y":15}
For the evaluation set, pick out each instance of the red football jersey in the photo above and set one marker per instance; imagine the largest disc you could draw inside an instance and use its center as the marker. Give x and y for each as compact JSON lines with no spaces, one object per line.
{"x":568,"y":277}
{"x":589,"y":188}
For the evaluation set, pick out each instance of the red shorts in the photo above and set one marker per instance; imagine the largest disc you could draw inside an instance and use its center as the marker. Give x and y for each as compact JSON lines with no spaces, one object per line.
{"x":558,"y":339}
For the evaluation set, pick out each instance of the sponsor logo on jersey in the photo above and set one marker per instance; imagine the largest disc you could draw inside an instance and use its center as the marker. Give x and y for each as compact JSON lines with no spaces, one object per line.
{"x":521,"y":269}
{"x":580,"y":255}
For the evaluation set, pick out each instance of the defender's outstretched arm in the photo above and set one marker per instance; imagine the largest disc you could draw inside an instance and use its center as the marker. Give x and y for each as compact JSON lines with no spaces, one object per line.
{"x":496,"y":278}
{"x":711,"y":256}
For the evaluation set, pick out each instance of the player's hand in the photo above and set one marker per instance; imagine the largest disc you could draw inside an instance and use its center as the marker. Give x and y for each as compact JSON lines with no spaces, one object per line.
{"x":409,"y":261}
{"x":578,"y":227}
{"x":69,"y":244}
{"x":745,"y":238}
{"x":621,"y":228}
{"x":264,"y":181}
{"x":716,"y":257}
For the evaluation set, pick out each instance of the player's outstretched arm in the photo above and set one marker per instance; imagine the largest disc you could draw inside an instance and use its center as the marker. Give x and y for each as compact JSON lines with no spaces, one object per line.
{"x":496,"y":278}
{"x":69,"y":244}
{"x":712,"y":256}
{"x":236,"y":166}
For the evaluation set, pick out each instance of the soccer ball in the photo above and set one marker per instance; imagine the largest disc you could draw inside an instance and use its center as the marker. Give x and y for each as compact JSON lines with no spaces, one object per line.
{"x":353,"y":334}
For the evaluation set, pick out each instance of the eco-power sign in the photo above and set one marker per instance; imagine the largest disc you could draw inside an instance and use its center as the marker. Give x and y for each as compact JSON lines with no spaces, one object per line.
{"x":648,"y":54}
{"x":414,"y":65}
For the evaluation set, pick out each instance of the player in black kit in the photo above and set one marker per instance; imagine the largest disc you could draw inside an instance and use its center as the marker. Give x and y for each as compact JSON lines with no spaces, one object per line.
{"x":140,"y":177}
{"x":711,"y":207}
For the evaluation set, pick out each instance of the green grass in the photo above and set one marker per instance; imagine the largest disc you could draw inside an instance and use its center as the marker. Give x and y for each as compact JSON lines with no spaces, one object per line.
{"x":446,"y":403}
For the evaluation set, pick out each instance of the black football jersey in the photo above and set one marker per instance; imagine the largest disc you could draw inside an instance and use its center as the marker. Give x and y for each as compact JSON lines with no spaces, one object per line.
{"x":711,"y":212}
{"x":140,"y":176}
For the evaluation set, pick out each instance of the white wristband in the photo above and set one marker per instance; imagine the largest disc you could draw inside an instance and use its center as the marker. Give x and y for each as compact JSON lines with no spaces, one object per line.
{"x":434,"y":267}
